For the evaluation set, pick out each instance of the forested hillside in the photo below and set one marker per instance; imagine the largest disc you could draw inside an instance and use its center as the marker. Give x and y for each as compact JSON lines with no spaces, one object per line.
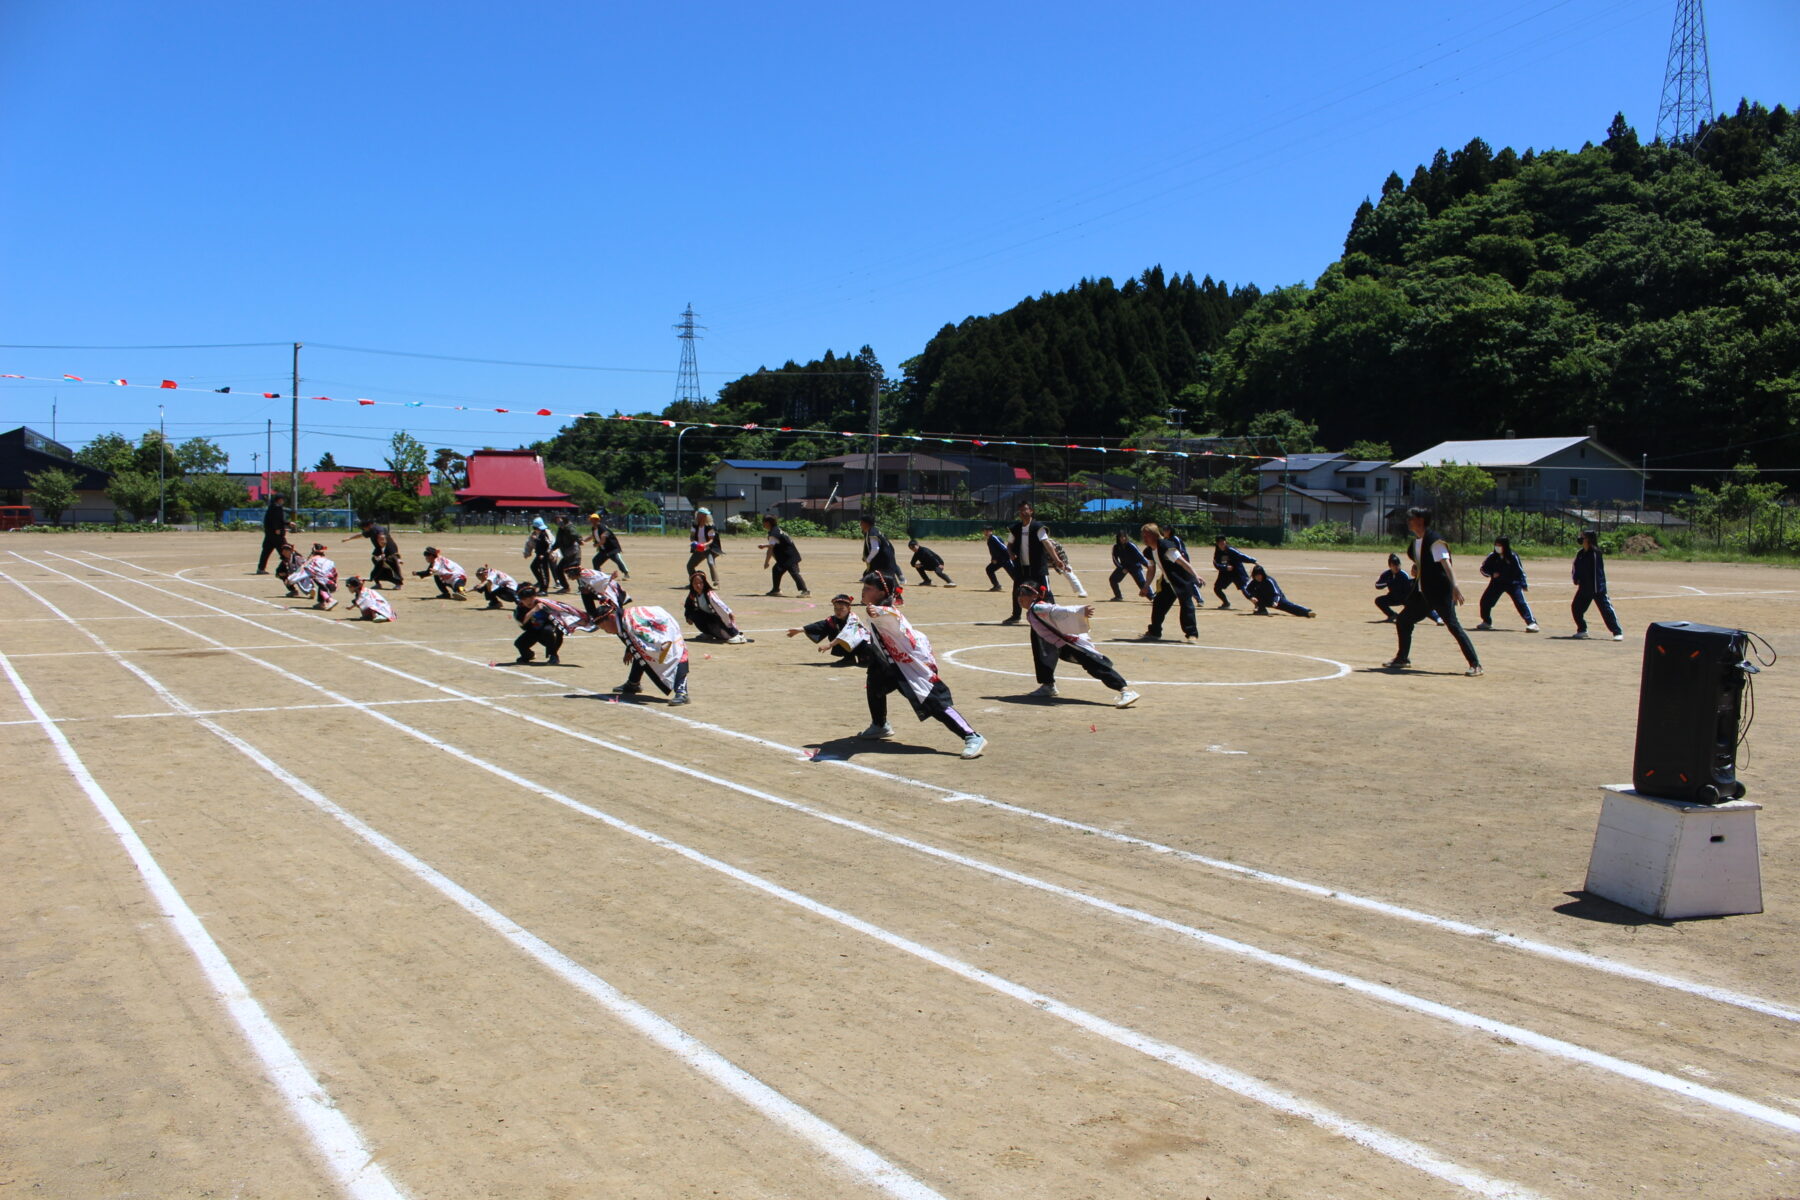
{"x":1637,"y":288}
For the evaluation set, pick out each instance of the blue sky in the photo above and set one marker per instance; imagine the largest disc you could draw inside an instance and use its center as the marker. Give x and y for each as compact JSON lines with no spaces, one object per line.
{"x":554,"y":183}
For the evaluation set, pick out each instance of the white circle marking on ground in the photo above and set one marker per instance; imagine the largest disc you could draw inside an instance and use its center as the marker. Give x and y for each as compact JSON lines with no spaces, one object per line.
{"x":1342,"y":669}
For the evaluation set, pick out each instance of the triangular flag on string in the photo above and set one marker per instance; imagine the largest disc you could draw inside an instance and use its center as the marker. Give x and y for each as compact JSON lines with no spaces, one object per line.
{"x":365,"y":403}
{"x":227,"y":391}
{"x":121,"y":383}
{"x":271,"y":395}
{"x":76,"y":378}
{"x":168,"y":383}
{"x":544,"y":412}
{"x":503,"y":410}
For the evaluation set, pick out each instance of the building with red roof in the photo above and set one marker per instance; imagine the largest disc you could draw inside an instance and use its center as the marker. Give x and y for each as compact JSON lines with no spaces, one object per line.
{"x":509,"y":479}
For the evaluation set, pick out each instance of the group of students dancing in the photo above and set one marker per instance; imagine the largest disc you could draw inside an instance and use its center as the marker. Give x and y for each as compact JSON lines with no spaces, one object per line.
{"x":876,"y":634}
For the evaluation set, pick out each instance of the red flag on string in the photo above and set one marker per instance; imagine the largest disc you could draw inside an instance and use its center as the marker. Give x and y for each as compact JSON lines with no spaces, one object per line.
{"x":271,"y":395}
{"x":544,"y":412}
{"x":168,"y":383}
{"x":121,"y":383}
{"x":369,"y":403}
{"x":76,"y":378}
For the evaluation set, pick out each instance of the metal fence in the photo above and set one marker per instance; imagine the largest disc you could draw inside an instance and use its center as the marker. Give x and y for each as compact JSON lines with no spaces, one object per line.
{"x":314,"y":518}
{"x":952,"y":527}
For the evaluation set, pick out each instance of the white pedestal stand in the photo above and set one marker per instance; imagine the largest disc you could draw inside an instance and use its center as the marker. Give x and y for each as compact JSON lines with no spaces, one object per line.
{"x":1672,"y":859}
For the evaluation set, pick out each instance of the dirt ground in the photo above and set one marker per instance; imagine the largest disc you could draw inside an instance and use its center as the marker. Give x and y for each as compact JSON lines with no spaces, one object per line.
{"x":1293,"y":926}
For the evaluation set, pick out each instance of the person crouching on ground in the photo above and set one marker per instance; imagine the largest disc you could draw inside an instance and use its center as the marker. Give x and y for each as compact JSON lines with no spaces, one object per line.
{"x":323,"y":575}
{"x":900,"y":659}
{"x":840,"y":633}
{"x":598,"y":586}
{"x":449,"y":577}
{"x":653,"y":646}
{"x":544,"y":622}
{"x":496,"y":585}
{"x":1060,"y":634}
{"x":707,"y":612}
{"x":366,"y":603}
{"x":928,"y":562}
{"x":1127,"y":560}
{"x":1266,"y":594}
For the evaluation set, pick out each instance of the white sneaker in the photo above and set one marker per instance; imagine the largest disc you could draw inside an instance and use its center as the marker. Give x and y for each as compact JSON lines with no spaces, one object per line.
{"x":1531,"y":628}
{"x":1046,"y":691}
{"x":1126,"y":699}
{"x":973,"y":745}
{"x":1618,"y":637}
{"x":736,"y":639}
{"x":1579,"y":634}
{"x":877,"y":732}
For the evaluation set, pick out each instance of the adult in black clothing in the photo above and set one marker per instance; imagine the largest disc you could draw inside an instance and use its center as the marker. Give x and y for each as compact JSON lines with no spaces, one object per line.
{"x":275,"y":527}
{"x":1176,"y":582}
{"x":928,"y":562}
{"x":607,"y":548}
{"x":781,"y":556}
{"x":999,"y":559}
{"x":878,"y":552}
{"x":1034,"y":555}
{"x":1127,"y":560}
{"x":1436,"y":590}
{"x":381,"y":551}
{"x":567,"y":545}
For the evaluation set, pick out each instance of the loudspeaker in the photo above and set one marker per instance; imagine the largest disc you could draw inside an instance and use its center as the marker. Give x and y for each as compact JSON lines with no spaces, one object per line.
{"x":1689,"y":706}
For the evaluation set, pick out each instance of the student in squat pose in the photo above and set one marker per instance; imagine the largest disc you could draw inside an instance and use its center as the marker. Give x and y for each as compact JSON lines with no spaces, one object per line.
{"x":496,"y":585}
{"x":1266,"y":594}
{"x":1436,"y":591}
{"x":1034,"y":555}
{"x":1127,"y":560}
{"x":384,"y":555}
{"x":707,"y":612}
{"x":928,"y":562}
{"x":1060,"y":634}
{"x":1399,"y":585}
{"x":597,"y":588}
{"x":367,"y":604}
{"x":318,"y":577}
{"x":999,"y":559}
{"x":288,"y":564}
{"x":1228,"y":567}
{"x":781,"y":557}
{"x":653,"y":646}
{"x":450,"y":578}
{"x":703,"y":544}
{"x":544,"y":622}
{"x":900,"y":659}
{"x":1588,"y":572}
{"x":1175,"y":582}
{"x":878,"y":552}
{"x":840,"y":633}
{"x":606,"y":546}
{"x":1505,"y":576}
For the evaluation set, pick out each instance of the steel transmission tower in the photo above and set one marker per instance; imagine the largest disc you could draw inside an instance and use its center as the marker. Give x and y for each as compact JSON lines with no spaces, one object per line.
{"x":687,"y":380}
{"x":1687,"y":101}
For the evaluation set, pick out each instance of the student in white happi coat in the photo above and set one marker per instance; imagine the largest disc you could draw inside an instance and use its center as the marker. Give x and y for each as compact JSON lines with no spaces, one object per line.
{"x":653,"y":646}
{"x":1062,"y":636}
{"x":707,"y":612}
{"x":367,"y":603}
{"x":450,"y":578}
{"x":496,"y":585}
{"x":320,"y":578}
{"x":900,"y":659}
{"x":597,"y":586}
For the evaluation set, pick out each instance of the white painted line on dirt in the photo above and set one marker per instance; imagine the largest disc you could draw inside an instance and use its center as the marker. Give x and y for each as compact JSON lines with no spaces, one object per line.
{"x":337,"y":1141}
{"x":1579,"y":958}
{"x":1343,"y":669}
{"x":1389,"y":1145}
{"x":858,"y":1160}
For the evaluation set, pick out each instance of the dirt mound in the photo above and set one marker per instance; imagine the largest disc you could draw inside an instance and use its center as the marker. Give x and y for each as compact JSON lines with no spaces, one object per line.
{"x":1640,"y":544}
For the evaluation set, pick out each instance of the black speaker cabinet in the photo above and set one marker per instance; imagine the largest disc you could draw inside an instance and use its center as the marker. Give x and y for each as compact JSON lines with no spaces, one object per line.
{"x":1688,"y":711}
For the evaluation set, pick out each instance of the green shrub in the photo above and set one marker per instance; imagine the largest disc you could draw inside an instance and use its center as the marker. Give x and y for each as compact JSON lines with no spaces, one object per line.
{"x":801,"y":527}
{"x":1325,"y":533}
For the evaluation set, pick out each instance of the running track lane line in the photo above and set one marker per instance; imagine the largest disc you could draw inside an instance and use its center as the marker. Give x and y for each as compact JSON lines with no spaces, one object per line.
{"x":1579,"y":958}
{"x":1543,"y":1043}
{"x":863,"y":1164}
{"x":1389,"y":1145}
{"x":347,"y":1157}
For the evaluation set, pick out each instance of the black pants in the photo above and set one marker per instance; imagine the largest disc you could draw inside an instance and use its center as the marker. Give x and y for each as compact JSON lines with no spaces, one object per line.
{"x":1169,"y":593}
{"x":606,"y":556}
{"x":1118,"y":577}
{"x":1221,"y":580}
{"x":1388,"y":605}
{"x":540,"y":571}
{"x":781,"y":569}
{"x":1038,"y":575}
{"x":1419,"y":606}
{"x":1583,"y":598}
{"x":1497,"y":588}
{"x":1045,"y":657}
{"x":383,"y":569}
{"x":497,"y":593}
{"x":550,"y":637}
{"x":925,"y":574}
{"x":638,"y":668}
{"x":448,"y":588}
{"x":883,"y":679}
{"x":994,"y":569}
{"x":1286,"y":606}
{"x":271,"y":545}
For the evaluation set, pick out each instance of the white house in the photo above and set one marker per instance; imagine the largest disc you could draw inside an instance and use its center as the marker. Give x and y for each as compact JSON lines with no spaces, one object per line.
{"x":1540,"y":473}
{"x":1309,"y":488}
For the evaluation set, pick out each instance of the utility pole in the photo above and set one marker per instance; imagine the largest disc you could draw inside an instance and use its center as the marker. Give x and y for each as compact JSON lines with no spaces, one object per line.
{"x":872,"y":481}
{"x":269,"y":445}
{"x":294,"y":447}
{"x":162,"y":453}
{"x":1687,"y":101}
{"x":53,"y":401}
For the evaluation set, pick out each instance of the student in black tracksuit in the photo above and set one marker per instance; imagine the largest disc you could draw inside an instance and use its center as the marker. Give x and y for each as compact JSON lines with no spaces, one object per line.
{"x":1176,"y":582}
{"x":999,"y":559}
{"x":1588,"y":572}
{"x":1506,"y":577}
{"x":1127,"y":560}
{"x":927,"y":562}
{"x":537,"y":545}
{"x":1265,"y":593}
{"x":568,"y":552}
{"x":878,"y":552}
{"x":1033,"y":556}
{"x":1437,"y":590}
{"x":781,"y":556}
{"x":1229,"y":567}
{"x":275,"y":525}
{"x":1397,"y":585}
